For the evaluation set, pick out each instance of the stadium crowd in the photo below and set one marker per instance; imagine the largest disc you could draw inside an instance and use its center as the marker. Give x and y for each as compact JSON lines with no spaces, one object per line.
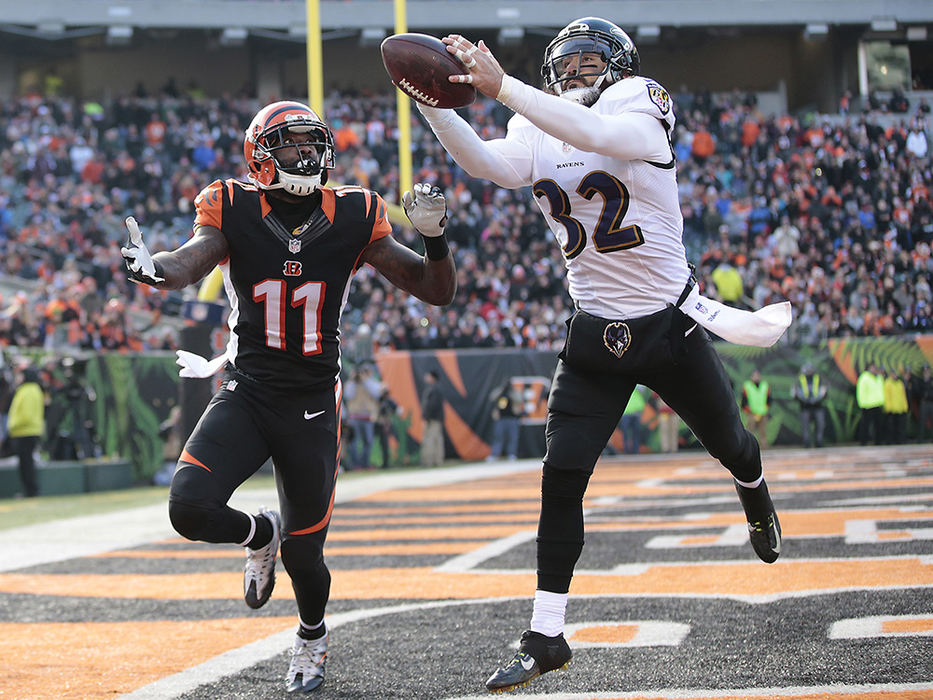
{"x":832,"y":212}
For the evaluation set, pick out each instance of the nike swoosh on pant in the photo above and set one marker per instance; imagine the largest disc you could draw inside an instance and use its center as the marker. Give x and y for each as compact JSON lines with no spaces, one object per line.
{"x":309,"y":416}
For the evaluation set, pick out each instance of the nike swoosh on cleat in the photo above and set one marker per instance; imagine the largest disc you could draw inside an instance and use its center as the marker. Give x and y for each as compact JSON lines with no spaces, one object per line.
{"x":309,"y":416}
{"x":527,"y":663}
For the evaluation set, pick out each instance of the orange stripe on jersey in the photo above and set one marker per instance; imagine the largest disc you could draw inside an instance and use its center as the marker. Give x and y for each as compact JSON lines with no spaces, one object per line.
{"x":368,"y":197}
{"x":209,"y":205}
{"x":328,"y":203}
{"x":381,"y":225}
{"x":264,"y":206}
{"x":188,"y":459}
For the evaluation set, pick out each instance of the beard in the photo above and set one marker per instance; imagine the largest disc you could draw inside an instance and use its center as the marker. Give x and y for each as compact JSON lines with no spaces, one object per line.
{"x":585,"y":96}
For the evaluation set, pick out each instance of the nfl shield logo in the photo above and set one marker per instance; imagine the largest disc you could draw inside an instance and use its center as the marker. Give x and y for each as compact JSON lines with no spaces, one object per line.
{"x":294,"y":246}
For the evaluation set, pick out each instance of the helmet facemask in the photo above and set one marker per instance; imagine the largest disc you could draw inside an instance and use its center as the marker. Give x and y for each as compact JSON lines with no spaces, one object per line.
{"x":300,"y":163}
{"x":588,"y":36}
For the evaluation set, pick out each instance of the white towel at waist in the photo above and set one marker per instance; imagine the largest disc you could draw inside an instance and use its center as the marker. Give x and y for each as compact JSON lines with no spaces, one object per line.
{"x":196,"y":367}
{"x":762,"y":328}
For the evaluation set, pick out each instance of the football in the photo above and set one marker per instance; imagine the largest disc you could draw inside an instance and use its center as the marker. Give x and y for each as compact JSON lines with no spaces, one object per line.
{"x":419,"y":66}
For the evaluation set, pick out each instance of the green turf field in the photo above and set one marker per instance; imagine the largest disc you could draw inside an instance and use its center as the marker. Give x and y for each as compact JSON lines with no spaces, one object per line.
{"x":17,"y":512}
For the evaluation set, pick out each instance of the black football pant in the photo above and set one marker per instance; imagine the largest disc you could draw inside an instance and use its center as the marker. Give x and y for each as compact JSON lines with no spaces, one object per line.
{"x":583,"y":410}
{"x":242,"y":427}
{"x":25,"y":448}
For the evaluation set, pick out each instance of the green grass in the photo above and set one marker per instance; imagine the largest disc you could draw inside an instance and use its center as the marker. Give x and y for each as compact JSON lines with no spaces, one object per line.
{"x":16,"y":512}
{"x":29,"y":511}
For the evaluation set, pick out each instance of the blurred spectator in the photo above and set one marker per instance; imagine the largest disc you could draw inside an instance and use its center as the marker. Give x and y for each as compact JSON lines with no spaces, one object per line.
{"x":631,"y":421}
{"x":172,"y":442}
{"x":361,"y":397}
{"x":6,"y":395}
{"x":869,"y":395}
{"x":506,"y":416}
{"x":899,"y":104}
{"x":728,"y":283}
{"x":756,"y":402}
{"x":786,"y":238}
{"x":385,"y":431}
{"x":811,"y":396}
{"x":922,"y":393}
{"x":432,"y":411}
{"x":895,"y":409}
{"x":703,"y":144}
{"x":25,"y":425}
{"x":668,"y":425}
{"x":916,"y":143}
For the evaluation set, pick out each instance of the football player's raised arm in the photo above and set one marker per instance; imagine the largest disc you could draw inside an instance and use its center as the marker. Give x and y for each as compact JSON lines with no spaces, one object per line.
{"x":626,"y":136}
{"x":432,"y":281}
{"x":192,"y":261}
{"x":503,"y":161}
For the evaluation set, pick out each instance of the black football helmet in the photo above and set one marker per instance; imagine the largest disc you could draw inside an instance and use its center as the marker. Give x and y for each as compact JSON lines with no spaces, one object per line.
{"x":590,"y":35}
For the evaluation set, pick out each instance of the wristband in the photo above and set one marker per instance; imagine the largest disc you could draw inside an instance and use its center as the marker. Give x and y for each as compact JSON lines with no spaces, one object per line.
{"x":159,"y":270}
{"x":435,"y":247}
{"x":505,"y":89}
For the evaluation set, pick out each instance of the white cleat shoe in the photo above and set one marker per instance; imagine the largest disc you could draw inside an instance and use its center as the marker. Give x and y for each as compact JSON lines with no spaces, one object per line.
{"x":306,"y":669}
{"x":259,"y":573}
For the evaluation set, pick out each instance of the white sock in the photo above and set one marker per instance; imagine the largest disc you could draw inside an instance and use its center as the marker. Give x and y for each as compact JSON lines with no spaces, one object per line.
{"x":547,"y":617}
{"x":252,"y":530}
{"x":751,"y":484}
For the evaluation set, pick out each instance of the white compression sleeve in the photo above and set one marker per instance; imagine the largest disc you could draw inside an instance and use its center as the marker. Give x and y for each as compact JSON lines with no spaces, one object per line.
{"x":548,"y":614}
{"x":627,"y":136}
{"x":505,"y":162}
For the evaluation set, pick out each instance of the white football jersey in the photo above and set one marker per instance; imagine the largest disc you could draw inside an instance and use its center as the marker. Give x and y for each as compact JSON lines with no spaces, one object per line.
{"x":618,"y":222}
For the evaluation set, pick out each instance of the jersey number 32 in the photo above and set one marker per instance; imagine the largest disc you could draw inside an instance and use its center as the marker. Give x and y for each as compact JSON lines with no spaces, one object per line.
{"x":608,"y":234}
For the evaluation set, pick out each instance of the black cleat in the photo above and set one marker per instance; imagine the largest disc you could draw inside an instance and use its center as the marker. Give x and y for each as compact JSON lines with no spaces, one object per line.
{"x":764,"y":529}
{"x":537,"y":654}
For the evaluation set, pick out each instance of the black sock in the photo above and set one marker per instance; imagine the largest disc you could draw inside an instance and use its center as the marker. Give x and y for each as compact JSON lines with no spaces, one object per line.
{"x":263,"y":534}
{"x":308,"y":633}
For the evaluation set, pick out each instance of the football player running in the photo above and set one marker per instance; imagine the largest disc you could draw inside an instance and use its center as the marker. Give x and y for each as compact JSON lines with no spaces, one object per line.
{"x":288,"y":247}
{"x":595,"y":148}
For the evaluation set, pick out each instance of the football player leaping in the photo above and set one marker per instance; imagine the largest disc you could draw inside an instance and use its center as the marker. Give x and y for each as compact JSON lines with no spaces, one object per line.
{"x":595,"y":148}
{"x":288,"y":247}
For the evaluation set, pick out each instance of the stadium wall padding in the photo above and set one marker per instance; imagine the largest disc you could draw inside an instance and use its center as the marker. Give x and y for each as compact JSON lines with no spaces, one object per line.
{"x":468,"y":378}
{"x":136,"y":392}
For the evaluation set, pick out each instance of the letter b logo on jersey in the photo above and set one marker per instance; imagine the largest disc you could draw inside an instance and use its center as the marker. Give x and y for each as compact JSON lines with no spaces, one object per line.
{"x":292,"y":268}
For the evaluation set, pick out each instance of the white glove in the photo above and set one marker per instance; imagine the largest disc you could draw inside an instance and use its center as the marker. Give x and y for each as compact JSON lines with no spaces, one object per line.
{"x":426,"y":209}
{"x":196,"y":367}
{"x":136,"y":255}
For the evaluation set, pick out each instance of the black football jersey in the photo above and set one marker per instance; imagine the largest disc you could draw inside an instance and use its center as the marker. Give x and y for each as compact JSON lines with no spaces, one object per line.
{"x":287,"y":288}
